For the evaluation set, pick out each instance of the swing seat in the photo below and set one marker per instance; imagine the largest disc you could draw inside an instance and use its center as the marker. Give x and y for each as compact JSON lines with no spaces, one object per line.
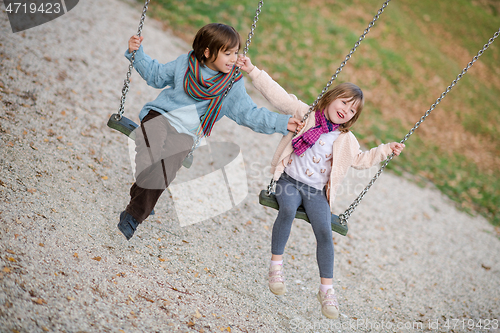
{"x":269,"y":200}
{"x":188,"y":161}
{"x":124,"y":125}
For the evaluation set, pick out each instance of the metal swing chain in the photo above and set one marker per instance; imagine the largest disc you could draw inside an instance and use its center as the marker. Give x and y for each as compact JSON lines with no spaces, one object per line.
{"x":271,"y":186}
{"x":199,"y":132}
{"x":126,"y":83}
{"x":361,"y":38}
{"x":345,"y":216}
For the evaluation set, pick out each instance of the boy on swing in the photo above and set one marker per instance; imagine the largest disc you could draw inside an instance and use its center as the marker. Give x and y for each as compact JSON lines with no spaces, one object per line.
{"x":189,"y":104}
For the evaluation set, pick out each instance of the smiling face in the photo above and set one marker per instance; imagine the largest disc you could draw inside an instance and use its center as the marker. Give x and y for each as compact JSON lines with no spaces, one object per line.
{"x":224,"y":61}
{"x":342,"y":105}
{"x":341,"y":110}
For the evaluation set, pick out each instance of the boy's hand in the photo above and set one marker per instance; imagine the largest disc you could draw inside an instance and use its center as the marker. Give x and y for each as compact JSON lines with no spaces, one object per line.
{"x":244,"y":63}
{"x":397,"y":147}
{"x":134,"y":42}
{"x":294,"y":125}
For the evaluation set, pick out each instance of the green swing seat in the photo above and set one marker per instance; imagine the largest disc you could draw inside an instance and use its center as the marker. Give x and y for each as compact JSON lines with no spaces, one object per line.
{"x":122,"y":124}
{"x":269,"y":200}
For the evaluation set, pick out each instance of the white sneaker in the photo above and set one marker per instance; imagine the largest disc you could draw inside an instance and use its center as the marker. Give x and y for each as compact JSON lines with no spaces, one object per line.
{"x":329,"y":304}
{"x":277,"y":280}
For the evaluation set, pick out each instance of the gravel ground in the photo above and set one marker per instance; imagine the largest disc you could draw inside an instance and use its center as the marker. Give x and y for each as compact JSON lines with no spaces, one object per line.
{"x":411,"y":261}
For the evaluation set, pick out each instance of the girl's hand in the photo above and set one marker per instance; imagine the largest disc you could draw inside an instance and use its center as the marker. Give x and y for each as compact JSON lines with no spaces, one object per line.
{"x":134,"y":42}
{"x":294,"y":125}
{"x":300,"y":126}
{"x":244,"y":63}
{"x":397,"y":147}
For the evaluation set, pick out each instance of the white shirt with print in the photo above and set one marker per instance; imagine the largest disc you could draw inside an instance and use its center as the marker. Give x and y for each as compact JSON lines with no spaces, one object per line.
{"x":313,"y":167}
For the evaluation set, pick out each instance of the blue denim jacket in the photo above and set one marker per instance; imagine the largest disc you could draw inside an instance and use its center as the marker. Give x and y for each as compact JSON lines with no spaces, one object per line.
{"x":184,"y":112}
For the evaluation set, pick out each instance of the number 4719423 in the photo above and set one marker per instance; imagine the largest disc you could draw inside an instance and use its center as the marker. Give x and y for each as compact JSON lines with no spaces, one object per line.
{"x":33,"y":8}
{"x":482,"y":324}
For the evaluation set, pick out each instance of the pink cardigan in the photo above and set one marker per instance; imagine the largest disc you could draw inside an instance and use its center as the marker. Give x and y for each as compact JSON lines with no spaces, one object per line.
{"x":346,"y":151}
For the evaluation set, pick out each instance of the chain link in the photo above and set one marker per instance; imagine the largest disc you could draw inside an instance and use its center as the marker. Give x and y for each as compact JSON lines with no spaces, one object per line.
{"x":126,"y":83}
{"x":252,"y":28}
{"x":271,"y":188}
{"x":344,"y":217}
{"x":361,"y":38}
{"x":199,"y":131}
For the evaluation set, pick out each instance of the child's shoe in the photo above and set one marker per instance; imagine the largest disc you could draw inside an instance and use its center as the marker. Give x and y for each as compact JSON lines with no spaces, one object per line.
{"x":329,"y":304}
{"x":127,"y":225}
{"x":277,"y":280}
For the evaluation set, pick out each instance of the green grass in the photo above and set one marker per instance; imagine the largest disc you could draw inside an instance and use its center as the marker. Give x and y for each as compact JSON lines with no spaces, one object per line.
{"x":460,"y":179}
{"x":409,"y":57}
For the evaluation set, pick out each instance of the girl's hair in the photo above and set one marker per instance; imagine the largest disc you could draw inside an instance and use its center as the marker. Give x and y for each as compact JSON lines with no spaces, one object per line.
{"x":344,"y":90}
{"x":216,"y":37}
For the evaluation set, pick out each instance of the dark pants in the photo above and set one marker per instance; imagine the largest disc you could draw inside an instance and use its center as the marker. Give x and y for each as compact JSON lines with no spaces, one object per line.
{"x":160,"y":152}
{"x":290,"y":194}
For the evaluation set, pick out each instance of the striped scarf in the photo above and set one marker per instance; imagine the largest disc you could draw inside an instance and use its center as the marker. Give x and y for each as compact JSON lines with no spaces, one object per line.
{"x":211,"y":89}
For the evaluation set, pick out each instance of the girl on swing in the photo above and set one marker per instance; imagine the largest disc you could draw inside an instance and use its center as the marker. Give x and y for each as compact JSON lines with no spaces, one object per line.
{"x":310,"y":167}
{"x":191,"y":102}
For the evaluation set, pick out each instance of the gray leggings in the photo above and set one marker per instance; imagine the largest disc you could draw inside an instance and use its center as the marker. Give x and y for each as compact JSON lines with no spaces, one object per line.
{"x":290,"y":194}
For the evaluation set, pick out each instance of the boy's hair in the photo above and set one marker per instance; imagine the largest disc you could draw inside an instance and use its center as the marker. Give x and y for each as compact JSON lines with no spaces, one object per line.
{"x":344,"y":90}
{"x":215,"y":37}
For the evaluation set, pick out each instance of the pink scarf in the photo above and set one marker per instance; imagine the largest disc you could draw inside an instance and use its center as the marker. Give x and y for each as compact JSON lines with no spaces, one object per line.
{"x":306,"y":140}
